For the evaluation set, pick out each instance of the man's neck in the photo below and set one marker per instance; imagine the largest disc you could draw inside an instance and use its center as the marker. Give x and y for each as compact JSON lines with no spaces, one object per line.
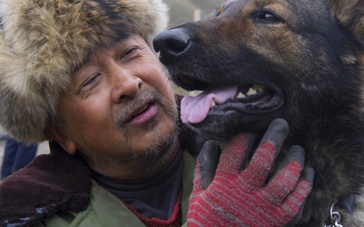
{"x":141,"y":194}
{"x":137,"y":171}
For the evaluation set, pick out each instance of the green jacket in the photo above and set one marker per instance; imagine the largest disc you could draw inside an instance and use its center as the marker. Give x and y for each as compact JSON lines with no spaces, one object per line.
{"x":107,"y":210}
{"x":56,"y":189}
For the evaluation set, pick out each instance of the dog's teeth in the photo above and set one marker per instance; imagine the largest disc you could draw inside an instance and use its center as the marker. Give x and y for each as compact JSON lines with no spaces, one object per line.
{"x":241,"y":96}
{"x":251,"y":91}
{"x":213,"y":103}
{"x":258,"y":87}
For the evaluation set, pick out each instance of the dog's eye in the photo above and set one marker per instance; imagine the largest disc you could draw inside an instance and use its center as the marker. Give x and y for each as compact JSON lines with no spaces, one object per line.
{"x":266,"y":16}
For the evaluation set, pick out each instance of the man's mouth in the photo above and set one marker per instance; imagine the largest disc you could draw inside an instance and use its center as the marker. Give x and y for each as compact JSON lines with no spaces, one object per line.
{"x":251,"y":99}
{"x":142,"y":112}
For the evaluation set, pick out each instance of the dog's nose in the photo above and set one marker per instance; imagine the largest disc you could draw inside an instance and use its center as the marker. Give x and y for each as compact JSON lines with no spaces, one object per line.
{"x":171,"y":44}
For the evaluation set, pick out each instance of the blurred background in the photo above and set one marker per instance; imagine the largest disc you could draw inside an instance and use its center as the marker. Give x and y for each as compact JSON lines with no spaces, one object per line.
{"x":182,"y":11}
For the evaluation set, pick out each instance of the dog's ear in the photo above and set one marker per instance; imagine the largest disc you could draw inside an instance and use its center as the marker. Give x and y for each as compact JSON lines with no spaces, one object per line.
{"x":350,"y":13}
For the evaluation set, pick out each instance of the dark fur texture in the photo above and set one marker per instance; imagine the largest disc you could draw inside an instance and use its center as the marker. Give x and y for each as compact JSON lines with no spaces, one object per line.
{"x":310,"y":52}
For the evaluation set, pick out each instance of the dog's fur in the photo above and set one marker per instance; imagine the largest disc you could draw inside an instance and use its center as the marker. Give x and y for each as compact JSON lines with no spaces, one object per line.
{"x":310,"y":53}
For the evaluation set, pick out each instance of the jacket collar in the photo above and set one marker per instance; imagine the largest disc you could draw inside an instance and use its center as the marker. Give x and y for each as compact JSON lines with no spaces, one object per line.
{"x":50,"y":183}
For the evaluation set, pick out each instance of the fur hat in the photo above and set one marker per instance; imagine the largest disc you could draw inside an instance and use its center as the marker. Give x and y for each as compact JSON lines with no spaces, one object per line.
{"x":42,"y":42}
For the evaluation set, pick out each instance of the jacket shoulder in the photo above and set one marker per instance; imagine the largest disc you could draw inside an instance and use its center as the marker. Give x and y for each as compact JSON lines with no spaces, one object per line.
{"x":104,"y":210}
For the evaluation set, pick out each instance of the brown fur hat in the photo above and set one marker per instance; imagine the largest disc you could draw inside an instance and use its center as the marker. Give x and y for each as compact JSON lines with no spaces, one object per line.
{"x":42,"y":42}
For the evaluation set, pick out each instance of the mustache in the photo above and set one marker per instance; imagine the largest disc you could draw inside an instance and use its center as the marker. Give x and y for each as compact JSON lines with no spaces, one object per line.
{"x":140,"y":98}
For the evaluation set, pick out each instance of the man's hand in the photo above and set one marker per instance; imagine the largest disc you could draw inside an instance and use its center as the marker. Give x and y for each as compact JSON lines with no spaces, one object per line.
{"x":243,"y":198}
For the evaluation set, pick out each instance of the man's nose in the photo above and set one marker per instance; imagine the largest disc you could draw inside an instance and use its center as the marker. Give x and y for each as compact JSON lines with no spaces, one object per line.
{"x":171,"y":44}
{"x":125,"y":85}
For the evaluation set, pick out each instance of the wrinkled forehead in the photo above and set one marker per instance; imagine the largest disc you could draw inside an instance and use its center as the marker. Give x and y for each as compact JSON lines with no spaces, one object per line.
{"x":106,"y":45}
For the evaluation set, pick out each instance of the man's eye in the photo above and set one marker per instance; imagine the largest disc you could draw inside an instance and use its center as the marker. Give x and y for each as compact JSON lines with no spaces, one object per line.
{"x":90,"y":80}
{"x":130,"y":53}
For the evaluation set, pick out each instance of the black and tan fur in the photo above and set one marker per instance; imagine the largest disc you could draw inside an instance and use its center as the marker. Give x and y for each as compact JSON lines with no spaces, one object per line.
{"x":308,"y":52}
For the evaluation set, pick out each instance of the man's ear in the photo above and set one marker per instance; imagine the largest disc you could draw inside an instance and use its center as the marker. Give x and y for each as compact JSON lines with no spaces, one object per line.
{"x":54,"y":133}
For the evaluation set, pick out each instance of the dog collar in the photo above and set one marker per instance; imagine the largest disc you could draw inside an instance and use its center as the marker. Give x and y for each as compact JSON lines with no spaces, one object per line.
{"x":347,"y":204}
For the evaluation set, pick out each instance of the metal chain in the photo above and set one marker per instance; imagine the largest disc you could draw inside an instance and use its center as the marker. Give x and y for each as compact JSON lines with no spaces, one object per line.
{"x":334,"y":217}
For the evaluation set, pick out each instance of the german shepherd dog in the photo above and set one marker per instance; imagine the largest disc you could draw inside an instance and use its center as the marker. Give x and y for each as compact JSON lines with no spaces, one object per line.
{"x":301,"y":60}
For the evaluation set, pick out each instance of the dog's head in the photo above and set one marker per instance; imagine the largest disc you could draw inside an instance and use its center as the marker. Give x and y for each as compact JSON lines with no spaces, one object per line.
{"x":257,"y":60}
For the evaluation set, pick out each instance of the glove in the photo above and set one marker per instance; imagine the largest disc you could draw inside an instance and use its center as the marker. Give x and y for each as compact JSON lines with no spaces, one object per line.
{"x":243,"y":198}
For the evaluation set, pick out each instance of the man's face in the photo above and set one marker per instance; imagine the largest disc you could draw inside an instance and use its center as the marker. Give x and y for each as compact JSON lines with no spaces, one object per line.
{"x":119,"y":108}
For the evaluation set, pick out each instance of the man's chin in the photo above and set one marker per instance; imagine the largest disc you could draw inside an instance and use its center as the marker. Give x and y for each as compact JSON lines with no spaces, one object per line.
{"x":161,"y":152}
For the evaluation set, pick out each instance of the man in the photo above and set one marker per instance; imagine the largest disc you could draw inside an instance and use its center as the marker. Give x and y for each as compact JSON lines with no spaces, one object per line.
{"x":82,"y":75}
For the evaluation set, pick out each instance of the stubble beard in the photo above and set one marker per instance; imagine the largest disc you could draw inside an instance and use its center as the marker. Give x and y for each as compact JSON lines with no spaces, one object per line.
{"x":141,"y":160}
{"x":155,"y":155}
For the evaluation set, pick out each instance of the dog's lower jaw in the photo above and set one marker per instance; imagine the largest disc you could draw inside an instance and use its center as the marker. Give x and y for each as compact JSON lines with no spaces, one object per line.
{"x":226,"y":126}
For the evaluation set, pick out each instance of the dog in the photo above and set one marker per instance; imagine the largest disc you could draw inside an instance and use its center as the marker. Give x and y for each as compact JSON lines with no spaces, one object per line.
{"x":301,"y":60}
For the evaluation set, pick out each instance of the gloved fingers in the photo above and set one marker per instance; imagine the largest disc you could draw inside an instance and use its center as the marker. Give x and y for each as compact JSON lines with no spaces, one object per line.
{"x":208,"y":159}
{"x":293,"y":206}
{"x":296,"y":153}
{"x":235,"y":151}
{"x":260,"y":165}
{"x":297,"y":199}
{"x":285,"y":179}
{"x":276,"y":134}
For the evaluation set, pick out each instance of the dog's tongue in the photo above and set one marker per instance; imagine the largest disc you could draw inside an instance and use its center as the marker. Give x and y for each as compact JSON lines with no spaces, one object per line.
{"x":195,"y":109}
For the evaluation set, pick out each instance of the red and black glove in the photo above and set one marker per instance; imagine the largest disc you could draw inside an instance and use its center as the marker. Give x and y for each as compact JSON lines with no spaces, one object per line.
{"x":243,"y":198}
